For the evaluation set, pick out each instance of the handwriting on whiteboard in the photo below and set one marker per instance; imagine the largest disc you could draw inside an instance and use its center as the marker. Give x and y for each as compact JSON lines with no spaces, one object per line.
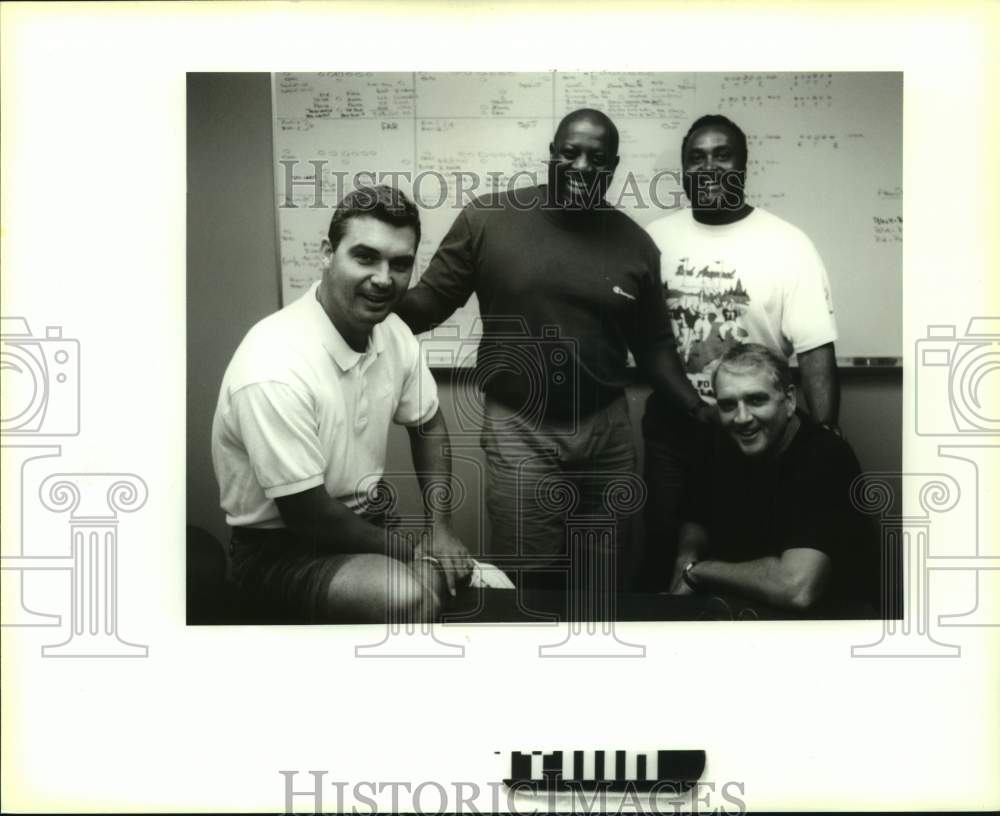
{"x":887,"y":229}
{"x":816,"y":140}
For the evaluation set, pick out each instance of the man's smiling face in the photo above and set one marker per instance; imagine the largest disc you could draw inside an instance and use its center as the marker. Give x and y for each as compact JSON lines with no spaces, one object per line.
{"x":714,"y":167}
{"x":582,"y":162}
{"x":753,"y":409}
{"x":366,"y":275}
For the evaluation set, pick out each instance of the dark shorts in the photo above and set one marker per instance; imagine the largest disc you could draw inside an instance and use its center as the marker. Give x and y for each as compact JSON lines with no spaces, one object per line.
{"x":277,"y":579}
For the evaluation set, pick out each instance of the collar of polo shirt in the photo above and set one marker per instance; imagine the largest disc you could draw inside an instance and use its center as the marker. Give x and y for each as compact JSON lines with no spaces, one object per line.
{"x":334,"y":343}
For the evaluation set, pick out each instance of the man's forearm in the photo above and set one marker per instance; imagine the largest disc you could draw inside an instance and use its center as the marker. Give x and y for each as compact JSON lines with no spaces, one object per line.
{"x":422,"y":309}
{"x":821,"y":383}
{"x":692,"y":542}
{"x":764,"y":579}
{"x":432,"y":464}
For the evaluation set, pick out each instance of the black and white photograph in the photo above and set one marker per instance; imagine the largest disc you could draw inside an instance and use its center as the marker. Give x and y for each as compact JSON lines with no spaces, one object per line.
{"x":560,"y":250}
{"x":499,"y":408}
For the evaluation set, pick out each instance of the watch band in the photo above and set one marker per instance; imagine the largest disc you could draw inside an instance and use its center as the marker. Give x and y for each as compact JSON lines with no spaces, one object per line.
{"x":687,"y":577}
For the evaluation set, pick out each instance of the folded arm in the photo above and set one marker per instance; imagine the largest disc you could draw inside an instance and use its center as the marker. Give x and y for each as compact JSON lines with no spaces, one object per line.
{"x":795,"y":580}
{"x":692,"y":544}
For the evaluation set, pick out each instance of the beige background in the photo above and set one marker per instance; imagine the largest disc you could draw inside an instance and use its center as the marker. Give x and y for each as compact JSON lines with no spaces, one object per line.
{"x":94,"y":170}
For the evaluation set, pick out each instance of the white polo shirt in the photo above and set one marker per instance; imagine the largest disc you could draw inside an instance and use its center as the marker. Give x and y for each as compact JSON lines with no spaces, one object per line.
{"x":300,"y":408}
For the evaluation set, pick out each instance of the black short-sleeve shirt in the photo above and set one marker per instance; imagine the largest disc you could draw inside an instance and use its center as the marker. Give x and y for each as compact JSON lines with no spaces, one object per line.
{"x":754,"y":509}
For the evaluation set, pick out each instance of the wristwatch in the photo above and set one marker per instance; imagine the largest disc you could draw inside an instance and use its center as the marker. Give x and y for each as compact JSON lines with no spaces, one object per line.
{"x":686,"y":576}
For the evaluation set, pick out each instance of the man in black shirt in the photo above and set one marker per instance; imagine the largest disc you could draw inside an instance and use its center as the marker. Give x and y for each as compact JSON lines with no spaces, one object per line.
{"x":770,"y":516}
{"x":567,"y":285}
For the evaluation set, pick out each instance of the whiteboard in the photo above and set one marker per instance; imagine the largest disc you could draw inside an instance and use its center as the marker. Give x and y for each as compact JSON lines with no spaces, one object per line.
{"x":825,"y":153}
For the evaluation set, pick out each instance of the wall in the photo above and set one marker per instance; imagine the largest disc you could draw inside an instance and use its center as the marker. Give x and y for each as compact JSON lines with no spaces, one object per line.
{"x":233,"y":281}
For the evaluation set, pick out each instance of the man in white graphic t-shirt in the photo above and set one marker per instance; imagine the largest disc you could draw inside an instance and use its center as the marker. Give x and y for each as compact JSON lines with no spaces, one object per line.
{"x":745,"y":276}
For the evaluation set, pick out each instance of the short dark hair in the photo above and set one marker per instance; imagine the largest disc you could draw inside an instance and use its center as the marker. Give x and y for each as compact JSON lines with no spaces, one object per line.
{"x":595,"y":117}
{"x":385,"y":203}
{"x":754,"y":355}
{"x":719,"y":121}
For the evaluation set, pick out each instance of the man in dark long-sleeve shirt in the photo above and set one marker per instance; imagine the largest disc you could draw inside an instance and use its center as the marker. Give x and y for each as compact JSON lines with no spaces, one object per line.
{"x":567,"y":286}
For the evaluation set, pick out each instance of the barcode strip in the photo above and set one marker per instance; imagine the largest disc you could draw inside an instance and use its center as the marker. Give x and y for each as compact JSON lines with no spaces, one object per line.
{"x":611,"y":769}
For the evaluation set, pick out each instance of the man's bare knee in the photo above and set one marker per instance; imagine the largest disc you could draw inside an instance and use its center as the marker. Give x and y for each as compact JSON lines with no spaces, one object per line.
{"x":409,"y":599}
{"x":376,"y":589}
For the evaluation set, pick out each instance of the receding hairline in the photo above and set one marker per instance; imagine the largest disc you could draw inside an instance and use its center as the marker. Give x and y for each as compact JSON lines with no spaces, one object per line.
{"x":595,"y":117}
{"x":746,"y":366}
{"x":738,"y":367}
{"x":750,"y":357}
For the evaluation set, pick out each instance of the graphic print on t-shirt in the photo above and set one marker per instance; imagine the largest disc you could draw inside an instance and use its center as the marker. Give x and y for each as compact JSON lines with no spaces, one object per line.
{"x":706,"y":306}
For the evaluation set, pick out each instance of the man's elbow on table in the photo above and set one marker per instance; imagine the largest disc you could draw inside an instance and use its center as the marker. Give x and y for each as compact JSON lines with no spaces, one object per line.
{"x":807,"y":574}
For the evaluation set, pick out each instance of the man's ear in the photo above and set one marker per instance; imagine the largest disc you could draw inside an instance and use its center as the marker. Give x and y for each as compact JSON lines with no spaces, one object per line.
{"x":791,"y":400}
{"x":552,"y":150}
{"x":326,"y":250}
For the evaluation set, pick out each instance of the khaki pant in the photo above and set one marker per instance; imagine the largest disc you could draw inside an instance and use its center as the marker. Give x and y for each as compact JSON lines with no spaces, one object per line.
{"x":559,"y":494}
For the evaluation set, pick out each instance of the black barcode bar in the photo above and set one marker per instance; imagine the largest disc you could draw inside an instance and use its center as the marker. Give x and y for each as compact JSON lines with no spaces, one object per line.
{"x":520,"y":765}
{"x":552,"y":766}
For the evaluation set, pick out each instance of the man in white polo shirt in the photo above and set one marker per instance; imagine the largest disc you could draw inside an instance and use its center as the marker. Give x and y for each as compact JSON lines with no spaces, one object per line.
{"x":300,"y":432}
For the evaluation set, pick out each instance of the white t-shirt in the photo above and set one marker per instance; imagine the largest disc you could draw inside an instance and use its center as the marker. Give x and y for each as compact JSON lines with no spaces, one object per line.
{"x":300,"y":408}
{"x":758,"y":280}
